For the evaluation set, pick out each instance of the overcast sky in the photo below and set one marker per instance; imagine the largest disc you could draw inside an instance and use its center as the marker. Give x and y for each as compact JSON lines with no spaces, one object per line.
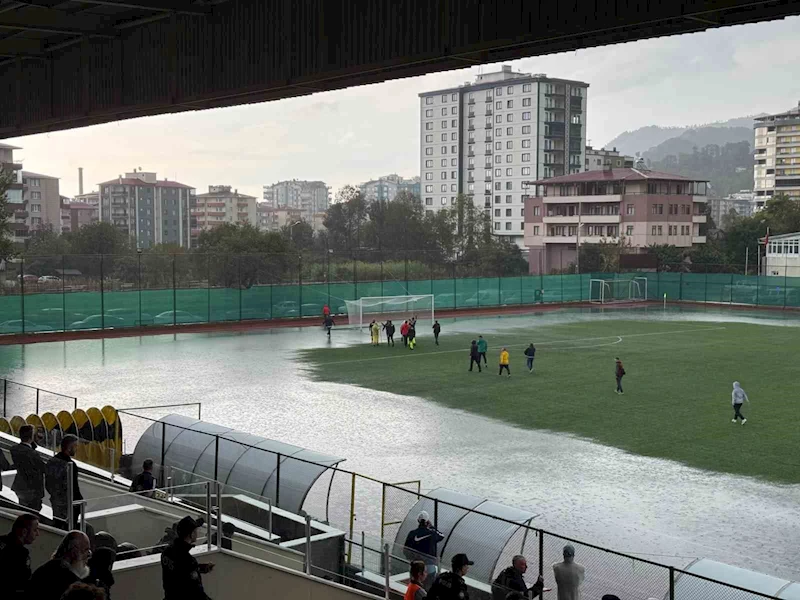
{"x":356,"y":134}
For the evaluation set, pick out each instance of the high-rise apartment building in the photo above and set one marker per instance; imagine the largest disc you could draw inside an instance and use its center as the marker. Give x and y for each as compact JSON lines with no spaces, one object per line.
{"x":777,"y":156}
{"x":307,"y":196}
{"x":40,"y":194}
{"x":221,"y":205}
{"x":487,"y":138}
{"x":149,"y":210}
{"x":387,"y":187}
{"x":18,"y":221}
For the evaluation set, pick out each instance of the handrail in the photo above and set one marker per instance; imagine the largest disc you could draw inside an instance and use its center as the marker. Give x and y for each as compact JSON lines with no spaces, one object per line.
{"x":38,"y":390}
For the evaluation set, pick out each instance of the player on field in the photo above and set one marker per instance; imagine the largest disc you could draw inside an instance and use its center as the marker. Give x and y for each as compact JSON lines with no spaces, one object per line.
{"x":375,"y":330}
{"x":530,"y":353}
{"x":437,"y":329}
{"x":412,"y":334}
{"x":738,"y":397}
{"x":389,"y":328}
{"x":619,"y":373}
{"x":327,"y":323}
{"x":482,"y":348}
{"x":474,"y":356}
{"x":504,"y":362}
{"x":404,"y":332}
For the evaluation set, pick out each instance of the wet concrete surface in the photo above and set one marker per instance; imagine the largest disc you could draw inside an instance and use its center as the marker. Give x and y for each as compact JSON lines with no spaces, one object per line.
{"x":654,"y":508}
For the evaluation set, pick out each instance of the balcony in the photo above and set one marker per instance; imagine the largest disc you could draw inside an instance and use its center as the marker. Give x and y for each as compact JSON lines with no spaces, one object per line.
{"x":470,"y":179}
{"x":470,"y":153}
{"x":581,"y":199}
{"x":554,"y":130}
{"x":488,"y":138}
{"x":471,"y":127}
{"x":471,"y":101}
{"x":699,"y":219}
{"x":575,"y":130}
{"x":596,"y":239}
{"x":698,"y":239}
{"x":470,"y":167}
{"x":488,"y":98}
{"x":487,"y":204}
{"x":488,"y":112}
{"x":488,"y":126}
{"x":584,"y":219}
{"x":471,"y":113}
{"x":487,"y":152}
{"x":560,"y":239}
{"x":488,"y":178}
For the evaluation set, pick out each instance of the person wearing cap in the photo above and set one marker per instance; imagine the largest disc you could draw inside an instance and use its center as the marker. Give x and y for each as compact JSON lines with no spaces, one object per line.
{"x":451,"y":586}
{"x":569,"y":576}
{"x":421,"y":544}
{"x":180,"y":571}
{"x":511,"y":579}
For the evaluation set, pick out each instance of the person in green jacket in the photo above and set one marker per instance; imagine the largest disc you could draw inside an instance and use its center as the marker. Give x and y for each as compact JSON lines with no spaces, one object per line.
{"x":482,"y":348}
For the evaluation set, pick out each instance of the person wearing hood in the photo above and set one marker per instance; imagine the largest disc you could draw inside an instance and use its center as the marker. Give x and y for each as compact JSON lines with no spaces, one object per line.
{"x":738,"y":397}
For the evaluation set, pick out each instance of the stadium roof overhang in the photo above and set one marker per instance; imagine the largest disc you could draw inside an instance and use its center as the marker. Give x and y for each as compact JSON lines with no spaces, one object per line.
{"x":70,"y":63}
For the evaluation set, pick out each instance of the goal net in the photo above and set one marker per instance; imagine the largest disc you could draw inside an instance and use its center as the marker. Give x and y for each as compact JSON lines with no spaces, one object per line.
{"x":605,"y":291}
{"x":361,"y":312}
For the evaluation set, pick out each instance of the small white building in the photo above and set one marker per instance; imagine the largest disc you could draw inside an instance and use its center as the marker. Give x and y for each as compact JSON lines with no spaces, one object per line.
{"x":783,"y":256}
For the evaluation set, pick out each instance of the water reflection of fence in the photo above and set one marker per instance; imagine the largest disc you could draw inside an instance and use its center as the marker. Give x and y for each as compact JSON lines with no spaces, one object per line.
{"x":374,"y":514}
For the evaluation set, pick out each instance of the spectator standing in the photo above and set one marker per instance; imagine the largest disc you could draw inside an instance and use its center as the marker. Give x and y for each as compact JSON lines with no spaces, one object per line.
{"x":451,"y":586}
{"x":180,"y":572}
{"x":15,"y":560}
{"x":100,"y":564}
{"x":390,"y":329}
{"x":418,"y":573}
{"x":437,"y":329}
{"x":422,"y":545}
{"x":56,"y":477}
{"x":504,"y":362}
{"x":144,"y":483}
{"x":68,"y":566}
{"x":530,"y":354}
{"x":474,"y":356}
{"x":569,"y":576}
{"x":482,"y":348}
{"x":404,"y":332}
{"x":511,"y":579}
{"x":619,"y":373}
{"x":29,"y":482}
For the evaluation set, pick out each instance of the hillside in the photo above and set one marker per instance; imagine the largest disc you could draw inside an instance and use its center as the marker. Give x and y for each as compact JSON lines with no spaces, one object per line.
{"x":644,"y":139}
{"x":699,"y":138}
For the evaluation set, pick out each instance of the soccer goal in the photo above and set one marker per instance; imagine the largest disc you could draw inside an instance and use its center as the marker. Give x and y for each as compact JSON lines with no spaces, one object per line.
{"x":605,"y":291}
{"x":361,"y":312}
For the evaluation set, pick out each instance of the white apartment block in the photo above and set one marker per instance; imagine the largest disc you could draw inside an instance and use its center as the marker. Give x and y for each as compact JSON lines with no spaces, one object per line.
{"x":310,"y":197}
{"x":777,"y":156}
{"x":488,"y":138}
{"x":221,"y":205}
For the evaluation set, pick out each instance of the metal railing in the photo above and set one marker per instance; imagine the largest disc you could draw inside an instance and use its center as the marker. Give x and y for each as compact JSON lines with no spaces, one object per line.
{"x":382,"y":507}
{"x":17,"y":396}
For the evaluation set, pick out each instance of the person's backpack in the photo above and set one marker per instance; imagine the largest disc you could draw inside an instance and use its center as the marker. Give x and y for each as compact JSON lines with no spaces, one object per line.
{"x":500,"y":587}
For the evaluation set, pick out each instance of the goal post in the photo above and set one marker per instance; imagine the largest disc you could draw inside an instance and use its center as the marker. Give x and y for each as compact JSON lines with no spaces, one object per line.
{"x":363,"y":311}
{"x":606,"y":291}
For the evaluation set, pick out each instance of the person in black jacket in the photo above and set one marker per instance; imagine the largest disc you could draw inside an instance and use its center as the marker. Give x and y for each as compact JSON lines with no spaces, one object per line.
{"x":144,"y":483}
{"x":511,"y":579}
{"x":619,"y":373}
{"x":180,"y":572}
{"x":474,"y":356}
{"x":28,"y":484}
{"x":437,"y":329}
{"x":530,"y":353}
{"x":451,"y":586}
{"x":422,"y":544}
{"x":56,"y":482}
{"x":15,"y":560}
{"x":328,"y":323}
{"x":390,"y":329}
{"x":100,"y":565}
{"x":68,"y":566}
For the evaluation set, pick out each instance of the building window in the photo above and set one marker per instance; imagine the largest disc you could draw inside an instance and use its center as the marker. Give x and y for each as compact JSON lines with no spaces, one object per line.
{"x":498,"y":159}
{"x":509,"y":145}
{"x":509,"y":104}
{"x":509,"y":185}
{"x":508,"y":226}
{"x":498,"y":132}
{"x":508,"y":197}
{"x":526,"y":102}
{"x":429,"y":100}
{"x":508,"y":212}
{"x":453,"y":136}
{"x":453,"y":162}
{"x":444,"y":149}
{"x":526,"y":129}
{"x":36,"y":195}
{"x":444,"y":162}
{"x":498,"y":172}
{"x":653,"y":230}
{"x":428,"y":165}
{"x":497,"y":119}
{"x":526,"y":143}
{"x":509,"y":172}
{"x":453,"y":174}
{"x":429,"y":138}
{"x":526,"y":157}
{"x":660,"y":230}
{"x":498,"y":91}
{"x":444,"y":187}
{"x":537,"y":211}
{"x":658,"y":209}
{"x":453,"y":187}
{"x":444,"y":199}
{"x":629,"y":230}
{"x":498,"y":146}
{"x":444,"y":124}
{"x":526,"y":170}
{"x":454,"y":149}
{"x":429,"y":112}
{"x":36,"y":207}
{"x":429,"y":176}
{"x":454,"y":96}
{"x":444,"y":137}
{"x":629,"y":210}
{"x":526,"y":116}
{"x":510,"y":118}
{"x":496,"y":212}
{"x":526,"y":87}
{"x":509,"y":158}
{"x":510,"y":90}
{"x":444,"y":112}
{"x":454,"y":123}
{"x":444,"y":174}
{"x":497,"y":199}
{"x":498,"y":186}
{"x":428,"y":126}
{"x":471,"y":187}
{"x":429,"y":188}
{"x":496,"y":225}
{"x":444,"y":97}
{"x":498,"y":105}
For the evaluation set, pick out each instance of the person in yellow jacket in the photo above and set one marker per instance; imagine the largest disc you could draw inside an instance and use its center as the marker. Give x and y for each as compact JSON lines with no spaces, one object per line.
{"x":375,"y":330}
{"x":504,"y":362}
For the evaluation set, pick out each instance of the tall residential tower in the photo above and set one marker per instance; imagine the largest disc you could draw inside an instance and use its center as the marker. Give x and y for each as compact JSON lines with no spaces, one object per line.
{"x":486,"y":138}
{"x":777,"y":156}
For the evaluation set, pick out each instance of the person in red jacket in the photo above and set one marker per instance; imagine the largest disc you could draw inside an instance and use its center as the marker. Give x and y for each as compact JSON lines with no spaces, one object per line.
{"x":326,"y":311}
{"x":404,"y":332}
{"x":619,"y":372}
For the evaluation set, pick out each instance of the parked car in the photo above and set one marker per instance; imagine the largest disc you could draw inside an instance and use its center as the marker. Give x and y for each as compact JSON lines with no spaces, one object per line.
{"x":28,"y":278}
{"x":176,"y":316}
{"x":98,"y":322}
{"x":287,"y":308}
{"x":49,"y":279}
{"x":131,"y":316}
{"x":16,"y":326}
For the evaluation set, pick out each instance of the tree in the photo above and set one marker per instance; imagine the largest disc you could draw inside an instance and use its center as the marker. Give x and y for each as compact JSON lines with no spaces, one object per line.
{"x":99,"y":238}
{"x":300,"y":235}
{"x":7,"y":249}
{"x":345,"y":219}
{"x":669,"y":257}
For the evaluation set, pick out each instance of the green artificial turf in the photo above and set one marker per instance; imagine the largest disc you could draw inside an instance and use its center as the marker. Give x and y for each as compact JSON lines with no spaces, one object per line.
{"x":677,"y":401}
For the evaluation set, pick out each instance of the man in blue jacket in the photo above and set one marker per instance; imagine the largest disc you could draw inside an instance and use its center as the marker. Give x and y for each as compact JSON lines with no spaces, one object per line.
{"x":421,"y":544}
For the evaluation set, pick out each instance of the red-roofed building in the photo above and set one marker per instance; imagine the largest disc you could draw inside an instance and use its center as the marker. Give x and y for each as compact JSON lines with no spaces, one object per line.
{"x":642,"y":207}
{"x":150,"y":210}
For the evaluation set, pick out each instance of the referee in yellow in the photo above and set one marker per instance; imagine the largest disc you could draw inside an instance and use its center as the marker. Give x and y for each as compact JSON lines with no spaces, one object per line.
{"x":504,"y":362}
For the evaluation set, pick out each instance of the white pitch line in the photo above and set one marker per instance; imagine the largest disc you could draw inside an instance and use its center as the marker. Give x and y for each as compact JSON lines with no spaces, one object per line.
{"x":614,"y":343}
{"x":561,"y":341}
